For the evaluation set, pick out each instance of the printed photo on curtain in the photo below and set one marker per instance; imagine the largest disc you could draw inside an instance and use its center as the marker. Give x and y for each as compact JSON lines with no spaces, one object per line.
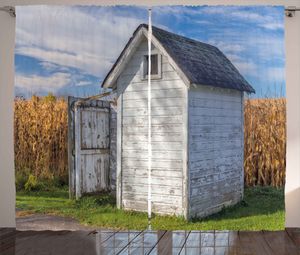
{"x":172,"y":117}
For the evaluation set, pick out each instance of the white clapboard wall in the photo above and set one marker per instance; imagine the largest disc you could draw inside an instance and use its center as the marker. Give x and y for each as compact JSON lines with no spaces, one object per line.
{"x":92,"y":131}
{"x":167,"y":114}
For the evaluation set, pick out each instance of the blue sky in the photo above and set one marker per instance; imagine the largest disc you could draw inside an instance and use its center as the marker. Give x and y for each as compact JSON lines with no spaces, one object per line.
{"x":69,"y":50}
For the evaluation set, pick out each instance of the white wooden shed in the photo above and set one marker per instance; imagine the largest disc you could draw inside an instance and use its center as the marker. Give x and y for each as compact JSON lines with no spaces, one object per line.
{"x":197,"y":125}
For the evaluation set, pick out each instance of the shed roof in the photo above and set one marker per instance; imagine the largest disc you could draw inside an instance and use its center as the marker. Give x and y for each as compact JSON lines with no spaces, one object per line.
{"x":202,"y":64}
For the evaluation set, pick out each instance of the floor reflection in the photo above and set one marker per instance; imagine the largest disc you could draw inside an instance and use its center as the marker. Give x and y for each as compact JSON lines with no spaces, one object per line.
{"x":97,"y":242}
{"x":166,"y":242}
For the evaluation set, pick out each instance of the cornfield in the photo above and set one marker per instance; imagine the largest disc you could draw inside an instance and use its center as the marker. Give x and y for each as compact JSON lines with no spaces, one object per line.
{"x":265,"y":141}
{"x":41,"y":135}
{"x":41,"y":139}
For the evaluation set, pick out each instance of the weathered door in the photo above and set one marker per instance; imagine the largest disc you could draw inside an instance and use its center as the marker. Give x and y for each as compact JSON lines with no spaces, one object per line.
{"x":91,"y":134}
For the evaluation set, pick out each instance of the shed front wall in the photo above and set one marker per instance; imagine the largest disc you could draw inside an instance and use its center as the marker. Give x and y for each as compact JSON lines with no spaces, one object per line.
{"x":215,"y":149}
{"x":169,"y":108}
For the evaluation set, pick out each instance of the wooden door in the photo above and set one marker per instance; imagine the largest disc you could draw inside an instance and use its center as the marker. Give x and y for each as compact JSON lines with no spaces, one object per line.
{"x":91,"y":147}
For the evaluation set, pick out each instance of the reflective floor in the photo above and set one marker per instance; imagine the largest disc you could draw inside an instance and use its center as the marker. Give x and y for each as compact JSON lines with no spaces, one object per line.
{"x":150,"y":242}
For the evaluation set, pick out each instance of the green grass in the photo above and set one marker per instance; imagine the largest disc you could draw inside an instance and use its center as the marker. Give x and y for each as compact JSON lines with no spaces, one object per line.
{"x":262,"y":208}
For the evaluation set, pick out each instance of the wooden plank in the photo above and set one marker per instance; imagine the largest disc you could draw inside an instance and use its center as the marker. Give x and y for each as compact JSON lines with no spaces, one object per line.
{"x":139,"y":154}
{"x":94,"y":129}
{"x":215,"y":112}
{"x":185,"y":156}
{"x":218,"y":102}
{"x":171,"y":128}
{"x":71,"y":146}
{"x":208,"y":92}
{"x":169,"y":200}
{"x":211,"y":178}
{"x":159,"y":164}
{"x":213,"y":136}
{"x":164,"y":245}
{"x":242,"y":172}
{"x":171,"y":181}
{"x":280,"y":242}
{"x":158,"y":208}
{"x":167,"y":82}
{"x":261,"y":246}
{"x":155,"y":101}
{"x":157,"y":189}
{"x":224,"y":183}
{"x":156,"y":146}
{"x":136,"y":64}
{"x":138,"y":78}
{"x":113,"y":147}
{"x":52,"y":242}
{"x":200,"y":120}
{"x":202,"y":204}
{"x":208,"y":155}
{"x":204,"y":165}
{"x":155,"y":111}
{"x":7,"y":240}
{"x":294,"y":234}
{"x":78,"y":175}
{"x":163,"y":93}
{"x":158,"y":120}
{"x":156,"y":137}
{"x":119,"y":151}
{"x":101,"y":137}
{"x":96,"y":172}
{"x":95,"y":151}
{"x":207,"y":130}
{"x":85,"y":133}
{"x":155,"y":172}
{"x":225,"y":145}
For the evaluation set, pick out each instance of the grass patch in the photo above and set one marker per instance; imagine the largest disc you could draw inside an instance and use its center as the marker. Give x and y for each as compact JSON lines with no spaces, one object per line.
{"x":262,"y":208}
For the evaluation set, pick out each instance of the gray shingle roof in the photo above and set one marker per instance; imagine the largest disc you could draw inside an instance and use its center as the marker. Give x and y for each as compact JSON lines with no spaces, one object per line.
{"x":203,"y":64}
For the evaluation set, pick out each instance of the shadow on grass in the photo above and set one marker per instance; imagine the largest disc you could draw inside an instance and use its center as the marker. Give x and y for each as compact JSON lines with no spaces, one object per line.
{"x":257,"y":201}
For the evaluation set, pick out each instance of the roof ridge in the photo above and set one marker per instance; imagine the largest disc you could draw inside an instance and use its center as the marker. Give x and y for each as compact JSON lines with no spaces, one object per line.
{"x":177,"y":35}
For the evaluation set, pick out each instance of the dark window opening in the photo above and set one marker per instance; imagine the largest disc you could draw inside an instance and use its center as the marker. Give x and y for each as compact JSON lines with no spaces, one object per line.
{"x":154,"y":65}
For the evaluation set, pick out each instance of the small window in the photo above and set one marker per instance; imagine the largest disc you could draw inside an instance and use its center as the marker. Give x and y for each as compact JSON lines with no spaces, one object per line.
{"x":155,"y":66}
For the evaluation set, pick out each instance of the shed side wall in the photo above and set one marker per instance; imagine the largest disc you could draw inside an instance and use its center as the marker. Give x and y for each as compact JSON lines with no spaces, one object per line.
{"x":215,"y":149}
{"x":168,"y":100}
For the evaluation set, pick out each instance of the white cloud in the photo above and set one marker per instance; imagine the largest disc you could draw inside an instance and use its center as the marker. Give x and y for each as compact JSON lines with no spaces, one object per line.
{"x":48,"y":66}
{"x":203,"y":22}
{"x":227,"y":47}
{"x":270,"y":21}
{"x":246,"y":67}
{"x":273,"y":26}
{"x":83,"y":83}
{"x":67,"y":36}
{"x":234,"y":57}
{"x":35,"y":83}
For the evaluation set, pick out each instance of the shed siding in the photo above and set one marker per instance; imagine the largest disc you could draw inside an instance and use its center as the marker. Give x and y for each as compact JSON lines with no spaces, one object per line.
{"x":168,"y":105}
{"x":215,"y":149}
